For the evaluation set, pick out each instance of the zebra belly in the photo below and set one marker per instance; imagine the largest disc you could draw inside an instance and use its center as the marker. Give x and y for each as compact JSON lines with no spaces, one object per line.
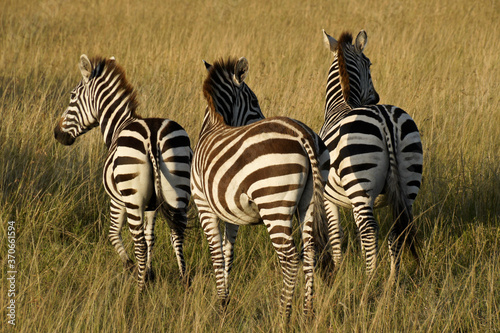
{"x":246,"y":210}
{"x":242,"y":213}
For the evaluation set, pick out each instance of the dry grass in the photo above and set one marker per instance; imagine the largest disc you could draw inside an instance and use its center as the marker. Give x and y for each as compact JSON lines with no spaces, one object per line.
{"x":436,"y":59}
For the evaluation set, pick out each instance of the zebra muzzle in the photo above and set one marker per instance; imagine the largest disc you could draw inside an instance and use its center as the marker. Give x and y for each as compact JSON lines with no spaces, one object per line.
{"x":63,"y":137}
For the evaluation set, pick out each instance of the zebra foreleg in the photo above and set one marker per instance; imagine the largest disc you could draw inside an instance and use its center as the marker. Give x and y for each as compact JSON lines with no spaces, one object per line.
{"x":117,"y":217}
{"x":368,"y":233}
{"x":230,"y":234}
{"x":149,"y":226}
{"x":334,"y":231}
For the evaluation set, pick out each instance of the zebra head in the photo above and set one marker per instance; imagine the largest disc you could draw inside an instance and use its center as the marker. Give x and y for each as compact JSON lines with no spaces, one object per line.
{"x":353,"y":67}
{"x":229,"y":94}
{"x":81,"y":114}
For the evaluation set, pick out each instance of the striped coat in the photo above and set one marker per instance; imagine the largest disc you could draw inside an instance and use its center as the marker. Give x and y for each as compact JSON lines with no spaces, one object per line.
{"x":148,"y":164}
{"x":265,"y":172}
{"x":375,"y":151}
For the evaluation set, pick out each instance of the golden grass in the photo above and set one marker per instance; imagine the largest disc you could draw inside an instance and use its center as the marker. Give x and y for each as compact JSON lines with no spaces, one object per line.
{"x":436,"y":59}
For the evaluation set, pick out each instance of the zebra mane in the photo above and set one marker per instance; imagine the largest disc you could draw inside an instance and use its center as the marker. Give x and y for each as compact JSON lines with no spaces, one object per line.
{"x":344,"y":40}
{"x":221,"y":68}
{"x":102,"y":65}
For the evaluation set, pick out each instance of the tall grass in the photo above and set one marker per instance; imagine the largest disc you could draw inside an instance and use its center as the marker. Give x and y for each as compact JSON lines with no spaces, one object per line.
{"x":436,"y":59}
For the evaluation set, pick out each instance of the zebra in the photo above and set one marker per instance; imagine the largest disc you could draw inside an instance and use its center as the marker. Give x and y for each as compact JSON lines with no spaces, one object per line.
{"x":147,"y":167}
{"x":265,"y":172}
{"x":246,"y":111}
{"x":375,"y":152}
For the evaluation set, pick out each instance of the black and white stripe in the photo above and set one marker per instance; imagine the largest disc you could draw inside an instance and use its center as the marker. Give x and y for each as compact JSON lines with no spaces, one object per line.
{"x":148,"y":163}
{"x":375,"y":151}
{"x":265,"y":172}
{"x":237,"y":109}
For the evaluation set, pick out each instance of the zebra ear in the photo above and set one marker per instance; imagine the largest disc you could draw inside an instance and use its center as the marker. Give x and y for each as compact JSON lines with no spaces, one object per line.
{"x":240,"y":70}
{"x":330,"y":42}
{"x":207,"y":65}
{"x":85,"y":67}
{"x":361,"y":41}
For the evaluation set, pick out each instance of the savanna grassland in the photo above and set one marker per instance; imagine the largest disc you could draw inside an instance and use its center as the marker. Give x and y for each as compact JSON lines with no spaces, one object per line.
{"x":438,"y":60}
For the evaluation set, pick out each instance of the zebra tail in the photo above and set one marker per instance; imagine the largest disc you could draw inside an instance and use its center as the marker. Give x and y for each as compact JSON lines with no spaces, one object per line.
{"x":168,"y":212}
{"x":402,"y":212}
{"x":324,"y":260}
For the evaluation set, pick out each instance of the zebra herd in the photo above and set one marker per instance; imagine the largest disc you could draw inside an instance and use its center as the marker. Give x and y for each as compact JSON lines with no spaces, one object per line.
{"x":247,"y":169}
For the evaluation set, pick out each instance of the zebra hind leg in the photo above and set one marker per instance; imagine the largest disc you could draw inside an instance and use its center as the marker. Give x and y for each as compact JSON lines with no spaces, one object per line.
{"x":177,"y":241}
{"x":334,"y":231}
{"x":150,"y":217}
{"x":135,"y":220}
{"x":117,"y":217}
{"x":308,"y":267}
{"x":368,"y":233}
{"x":282,"y":240}
{"x":311,"y":245}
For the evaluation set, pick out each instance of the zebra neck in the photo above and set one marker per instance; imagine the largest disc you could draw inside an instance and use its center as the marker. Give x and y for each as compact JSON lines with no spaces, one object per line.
{"x":340,"y":89}
{"x":212,"y":121}
{"x":336,"y":113}
{"x":336,"y":105}
{"x":337,"y":87}
{"x":113,"y":118}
